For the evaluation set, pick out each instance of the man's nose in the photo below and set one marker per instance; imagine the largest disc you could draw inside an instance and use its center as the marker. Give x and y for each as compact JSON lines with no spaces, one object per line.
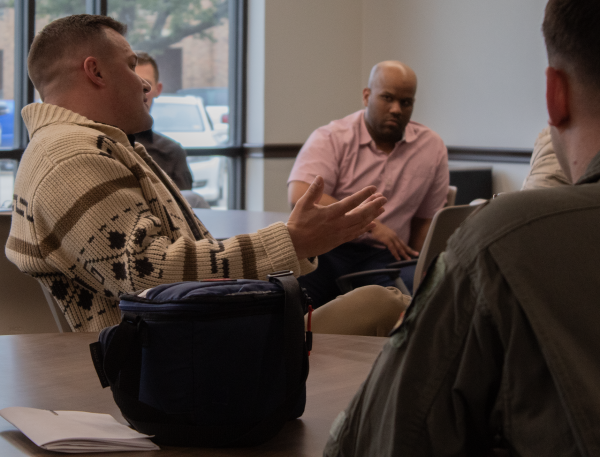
{"x":146,"y":86}
{"x":395,"y":108}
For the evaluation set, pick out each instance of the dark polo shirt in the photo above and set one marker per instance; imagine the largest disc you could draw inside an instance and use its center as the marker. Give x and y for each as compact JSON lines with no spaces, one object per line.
{"x":169,"y":156}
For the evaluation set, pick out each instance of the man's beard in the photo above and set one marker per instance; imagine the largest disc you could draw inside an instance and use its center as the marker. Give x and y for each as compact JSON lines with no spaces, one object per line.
{"x":391,"y":136}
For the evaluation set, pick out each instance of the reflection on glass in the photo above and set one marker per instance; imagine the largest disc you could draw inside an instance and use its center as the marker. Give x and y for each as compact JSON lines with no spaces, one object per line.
{"x":190,"y":42}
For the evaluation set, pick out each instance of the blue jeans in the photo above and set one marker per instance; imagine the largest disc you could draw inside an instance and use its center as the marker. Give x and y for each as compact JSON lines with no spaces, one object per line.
{"x":350,"y":258}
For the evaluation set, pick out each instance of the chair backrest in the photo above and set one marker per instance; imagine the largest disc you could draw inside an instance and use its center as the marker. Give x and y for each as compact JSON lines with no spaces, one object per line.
{"x":24,"y":304}
{"x":451,"y":197}
{"x":443,"y":225}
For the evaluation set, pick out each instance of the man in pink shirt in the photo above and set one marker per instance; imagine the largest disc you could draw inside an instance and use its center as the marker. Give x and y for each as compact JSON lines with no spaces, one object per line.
{"x":406,"y":161}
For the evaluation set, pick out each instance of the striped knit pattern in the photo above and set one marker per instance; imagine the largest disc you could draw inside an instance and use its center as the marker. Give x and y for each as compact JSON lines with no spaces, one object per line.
{"x":94,"y":218}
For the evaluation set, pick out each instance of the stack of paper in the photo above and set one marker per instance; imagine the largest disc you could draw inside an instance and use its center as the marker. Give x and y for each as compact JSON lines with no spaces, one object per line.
{"x":76,"y":431}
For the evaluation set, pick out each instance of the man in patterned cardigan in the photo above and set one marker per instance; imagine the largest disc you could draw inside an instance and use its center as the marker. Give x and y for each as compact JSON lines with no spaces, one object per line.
{"x":94,"y":216}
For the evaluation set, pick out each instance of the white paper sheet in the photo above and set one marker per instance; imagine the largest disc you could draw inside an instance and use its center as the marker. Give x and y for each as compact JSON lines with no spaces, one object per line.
{"x":76,"y":431}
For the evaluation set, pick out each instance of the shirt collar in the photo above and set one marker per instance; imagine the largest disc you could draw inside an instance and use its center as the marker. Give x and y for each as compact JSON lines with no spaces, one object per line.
{"x":592,"y":174}
{"x":146,"y":135}
{"x":365,"y":138}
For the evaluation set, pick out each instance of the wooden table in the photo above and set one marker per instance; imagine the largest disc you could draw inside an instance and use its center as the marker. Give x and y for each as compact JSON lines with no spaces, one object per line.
{"x":231,"y":222}
{"x":54,"y":371}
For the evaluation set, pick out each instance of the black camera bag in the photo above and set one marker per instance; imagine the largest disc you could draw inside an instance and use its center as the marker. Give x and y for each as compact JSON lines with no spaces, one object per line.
{"x":210,"y":363}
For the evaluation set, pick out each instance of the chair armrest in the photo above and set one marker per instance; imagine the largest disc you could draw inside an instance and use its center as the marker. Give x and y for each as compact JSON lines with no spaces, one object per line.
{"x":403,"y":263}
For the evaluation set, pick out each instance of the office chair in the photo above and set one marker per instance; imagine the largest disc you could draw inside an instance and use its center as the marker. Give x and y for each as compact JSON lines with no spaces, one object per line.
{"x":443,"y":225}
{"x":25,"y":305}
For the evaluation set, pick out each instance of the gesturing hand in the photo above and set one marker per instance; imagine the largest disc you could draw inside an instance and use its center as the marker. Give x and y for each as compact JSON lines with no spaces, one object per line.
{"x":399,"y":249}
{"x":316,"y":229}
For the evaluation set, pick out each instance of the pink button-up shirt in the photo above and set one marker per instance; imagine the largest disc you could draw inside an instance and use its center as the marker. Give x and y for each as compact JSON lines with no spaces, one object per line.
{"x":414,"y":177}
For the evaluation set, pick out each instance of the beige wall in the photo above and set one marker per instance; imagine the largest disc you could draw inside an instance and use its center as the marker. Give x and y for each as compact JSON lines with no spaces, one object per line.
{"x":304,"y":69}
{"x":480,"y":67}
{"x":309,"y":56}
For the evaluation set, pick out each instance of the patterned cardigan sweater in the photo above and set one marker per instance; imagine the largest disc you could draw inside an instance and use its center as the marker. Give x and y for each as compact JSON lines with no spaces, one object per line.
{"x":94,"y":217}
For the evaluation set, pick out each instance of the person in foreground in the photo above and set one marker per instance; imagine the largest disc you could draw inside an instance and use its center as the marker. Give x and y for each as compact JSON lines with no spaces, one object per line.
{"x":93,"y":214}
{"x":497,"y":350}
{"x":381,"y":146}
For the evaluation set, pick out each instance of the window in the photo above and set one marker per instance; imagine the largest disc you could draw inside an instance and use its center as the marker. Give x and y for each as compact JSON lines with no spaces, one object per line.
{"x":190,"y":42}
{"x":7,"y":56}
{"x":8,"y":166}
{"x":196,"y":44}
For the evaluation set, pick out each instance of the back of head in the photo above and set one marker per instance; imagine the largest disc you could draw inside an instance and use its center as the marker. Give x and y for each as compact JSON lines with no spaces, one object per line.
{"x":63,"y":39}
{"x":572,"y":33}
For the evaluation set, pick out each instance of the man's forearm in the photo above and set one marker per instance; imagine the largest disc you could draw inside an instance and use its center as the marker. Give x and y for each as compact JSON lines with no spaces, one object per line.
{"x":297,"y":189}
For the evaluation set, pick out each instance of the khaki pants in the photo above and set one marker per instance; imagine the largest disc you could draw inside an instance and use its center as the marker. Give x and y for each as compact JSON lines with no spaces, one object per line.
{"x":369,"y":310}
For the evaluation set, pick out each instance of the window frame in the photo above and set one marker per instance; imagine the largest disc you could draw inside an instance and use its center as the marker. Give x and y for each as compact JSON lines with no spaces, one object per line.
{"x":24,"y":90}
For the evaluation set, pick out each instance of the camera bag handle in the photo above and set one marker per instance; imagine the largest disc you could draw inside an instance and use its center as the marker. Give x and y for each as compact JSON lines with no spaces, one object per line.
{"x":122,"y":363}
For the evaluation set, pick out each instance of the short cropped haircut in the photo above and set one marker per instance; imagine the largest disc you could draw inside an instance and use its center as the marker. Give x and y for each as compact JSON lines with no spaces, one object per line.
{"x":144,"y":59}
{"x":60,"y":37}
{"x":572,"y":33}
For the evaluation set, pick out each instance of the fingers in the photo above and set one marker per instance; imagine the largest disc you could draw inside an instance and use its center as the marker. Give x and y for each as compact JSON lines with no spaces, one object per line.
{"x":406,"y":252}
{"x":394,"y":245}
{"x":370,"y":227}
{"x":354,"y":200}
{"x":393,"y":248}
{"x":313,"y":194}
{"x":366,"y":212}
{"x":371,"y":198}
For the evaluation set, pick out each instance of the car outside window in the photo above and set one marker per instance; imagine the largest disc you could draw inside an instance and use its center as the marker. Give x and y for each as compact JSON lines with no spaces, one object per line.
{"x":177,"y":118}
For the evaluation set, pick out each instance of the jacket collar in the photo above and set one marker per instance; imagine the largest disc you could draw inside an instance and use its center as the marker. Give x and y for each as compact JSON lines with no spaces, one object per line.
{"x":40,"y":115}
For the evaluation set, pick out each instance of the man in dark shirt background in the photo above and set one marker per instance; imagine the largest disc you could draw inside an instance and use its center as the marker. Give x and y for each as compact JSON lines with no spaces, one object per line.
{"x":168,"y":154}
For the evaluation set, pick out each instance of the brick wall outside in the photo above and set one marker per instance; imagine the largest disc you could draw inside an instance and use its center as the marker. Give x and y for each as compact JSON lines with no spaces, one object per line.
{"x":205,"y":64}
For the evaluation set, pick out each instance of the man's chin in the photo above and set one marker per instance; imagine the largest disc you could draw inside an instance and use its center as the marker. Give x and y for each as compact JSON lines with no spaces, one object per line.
{"x":392,"y":136}
{"x":146,"y":125}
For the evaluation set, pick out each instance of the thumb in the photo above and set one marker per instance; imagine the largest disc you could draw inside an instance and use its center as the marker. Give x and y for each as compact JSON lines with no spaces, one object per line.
{"x":313,"y":193}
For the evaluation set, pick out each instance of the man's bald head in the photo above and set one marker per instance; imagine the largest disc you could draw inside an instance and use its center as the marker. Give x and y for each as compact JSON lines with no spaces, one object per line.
{"x":60,"y":48}
{"x":391,"y":68}
{"x":389,"y":99}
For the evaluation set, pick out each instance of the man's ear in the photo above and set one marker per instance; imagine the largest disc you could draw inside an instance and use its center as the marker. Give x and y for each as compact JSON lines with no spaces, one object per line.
{"x":366,"y":94}
{"x":557,"y":97}
{"x":92,"y":70}
{"x":159,"y":88}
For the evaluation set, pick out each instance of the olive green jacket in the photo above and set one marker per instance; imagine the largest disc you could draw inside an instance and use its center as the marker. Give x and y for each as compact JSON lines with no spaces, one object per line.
{"x":501,"y":344}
